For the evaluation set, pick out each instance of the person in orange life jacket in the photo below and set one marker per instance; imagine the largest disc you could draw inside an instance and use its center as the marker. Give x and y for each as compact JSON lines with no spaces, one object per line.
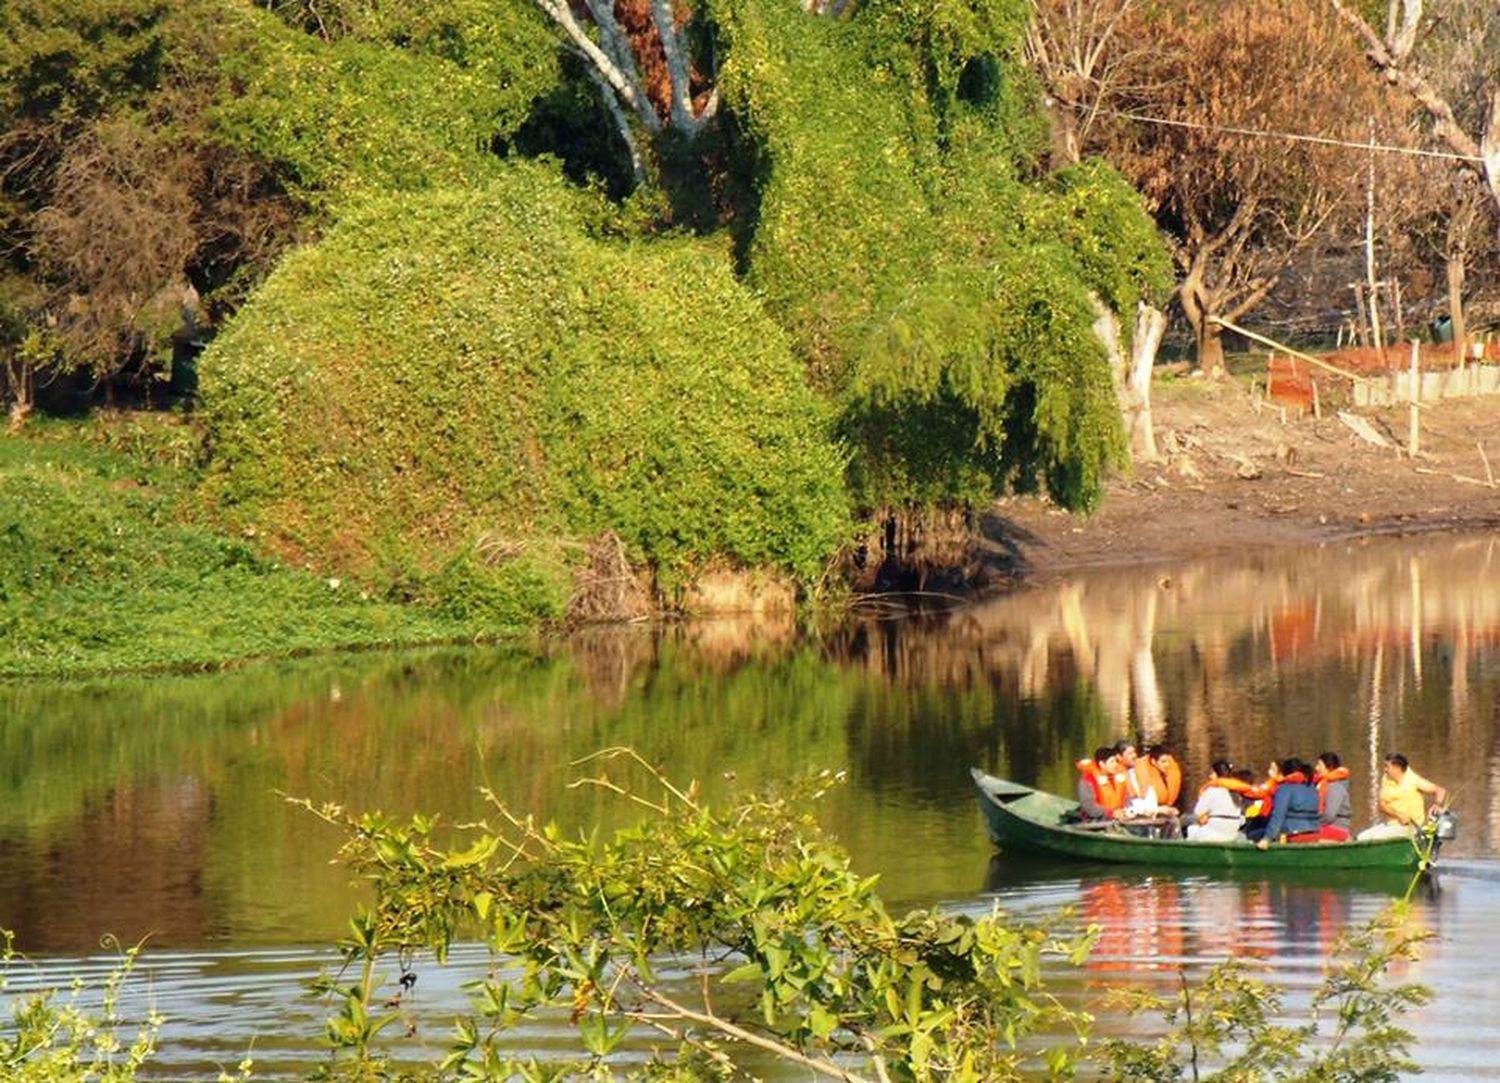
{"x":1218,"y":814}
{"x":1334,"y":806}
{"x":1099,"y":798}
{"x":1258,"y":813}
{"x":1163,"y":774}
{"x":1130,"y":777}
{"x":1294,"y":809}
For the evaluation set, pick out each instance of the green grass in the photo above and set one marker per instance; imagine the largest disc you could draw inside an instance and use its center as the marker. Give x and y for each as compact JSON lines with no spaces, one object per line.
{"x":103,"y":568}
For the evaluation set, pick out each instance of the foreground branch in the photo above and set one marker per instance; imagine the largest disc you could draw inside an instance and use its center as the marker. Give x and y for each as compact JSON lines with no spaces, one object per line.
{"x":739,"y":1033}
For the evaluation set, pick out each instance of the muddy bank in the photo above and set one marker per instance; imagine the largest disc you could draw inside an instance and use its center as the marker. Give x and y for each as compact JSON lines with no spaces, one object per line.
{"x":1234,"y":478}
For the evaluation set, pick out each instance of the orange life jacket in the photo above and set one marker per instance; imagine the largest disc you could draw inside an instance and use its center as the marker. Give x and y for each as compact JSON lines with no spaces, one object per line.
{"x":1168,"y":784}
{"x":1234,"y":785}
{"x":1106,"y":791}
{"x":1266,"y":794}
{"x":1338,"y":774}
{"x":1253,"y":796}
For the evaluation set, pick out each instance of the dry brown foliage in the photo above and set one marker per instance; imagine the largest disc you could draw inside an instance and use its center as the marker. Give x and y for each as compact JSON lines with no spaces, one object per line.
{"x":606,"y":587}
{"x":140,"y":221}
{"x":1170,"y":94}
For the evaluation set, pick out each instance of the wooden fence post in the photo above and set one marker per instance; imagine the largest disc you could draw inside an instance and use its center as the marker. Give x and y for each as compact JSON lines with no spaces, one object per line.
{"x":1414,"y":436}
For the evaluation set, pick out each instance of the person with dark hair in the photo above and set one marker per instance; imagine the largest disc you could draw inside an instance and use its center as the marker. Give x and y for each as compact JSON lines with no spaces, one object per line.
{"x":1132,"y":781}
{"x":1335,"y":809}
{"x":1099,"y":796}
{"x":1294,"y":809}
{"x":1163,"y":774}
{"x":1220,"y":809}
{"x":1403,"y":800}
{"x":1128,"y":775}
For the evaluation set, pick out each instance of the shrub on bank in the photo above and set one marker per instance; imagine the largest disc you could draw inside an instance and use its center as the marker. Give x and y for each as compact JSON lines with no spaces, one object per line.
{"x":99,"y":571}
{"x":455,"y":381}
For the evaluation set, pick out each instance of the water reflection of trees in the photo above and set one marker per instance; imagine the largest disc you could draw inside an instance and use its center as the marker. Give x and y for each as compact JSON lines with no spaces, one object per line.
{"x":1359,"y":648}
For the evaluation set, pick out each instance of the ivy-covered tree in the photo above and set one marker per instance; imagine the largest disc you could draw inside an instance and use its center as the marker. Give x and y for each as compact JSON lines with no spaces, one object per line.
{"x":940,"y":292}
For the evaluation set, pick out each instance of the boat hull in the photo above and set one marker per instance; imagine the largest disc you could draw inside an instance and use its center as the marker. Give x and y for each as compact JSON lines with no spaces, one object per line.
{"x":1030,"y":821}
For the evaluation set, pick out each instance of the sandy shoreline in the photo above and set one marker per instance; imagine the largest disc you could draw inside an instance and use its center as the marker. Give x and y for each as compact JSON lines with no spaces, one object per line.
{"x":1234,"y":477}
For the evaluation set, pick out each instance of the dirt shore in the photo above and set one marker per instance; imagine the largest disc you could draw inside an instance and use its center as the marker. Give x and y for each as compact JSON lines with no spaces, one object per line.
{"x":1236,"y":473}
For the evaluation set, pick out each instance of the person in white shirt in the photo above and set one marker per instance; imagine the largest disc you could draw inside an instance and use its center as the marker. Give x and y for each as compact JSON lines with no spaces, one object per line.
{"x":1219,"y":812}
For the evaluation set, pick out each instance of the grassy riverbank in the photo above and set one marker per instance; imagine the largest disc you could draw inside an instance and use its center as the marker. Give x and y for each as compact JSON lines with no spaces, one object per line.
{"x":105,"y":567}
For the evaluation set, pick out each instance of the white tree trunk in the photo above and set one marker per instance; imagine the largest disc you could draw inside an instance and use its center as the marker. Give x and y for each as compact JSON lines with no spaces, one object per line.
{"x":678,"y":70}
{"x":1107,"y":331}
{"x":1489,"y":148}
{"x":1133,"y":380}
{"x":614,"y":62}
{"x":1150,"y":325}
{"x":611,"y":64}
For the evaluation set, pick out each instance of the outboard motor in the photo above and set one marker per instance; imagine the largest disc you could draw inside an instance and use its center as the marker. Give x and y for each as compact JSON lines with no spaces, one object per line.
{"x":1438,"y":829}
{"x":1445,"y":826}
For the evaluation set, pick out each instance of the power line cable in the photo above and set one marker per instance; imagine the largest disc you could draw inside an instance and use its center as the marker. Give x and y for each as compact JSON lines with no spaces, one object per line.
{"x":1297,"y":137}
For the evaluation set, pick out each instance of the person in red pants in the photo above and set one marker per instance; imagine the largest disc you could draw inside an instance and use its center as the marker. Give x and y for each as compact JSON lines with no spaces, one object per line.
{"x":1335,"y":809}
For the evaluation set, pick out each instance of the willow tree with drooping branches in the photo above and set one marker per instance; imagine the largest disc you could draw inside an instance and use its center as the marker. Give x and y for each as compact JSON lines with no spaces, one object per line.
{"x":940,"y":287}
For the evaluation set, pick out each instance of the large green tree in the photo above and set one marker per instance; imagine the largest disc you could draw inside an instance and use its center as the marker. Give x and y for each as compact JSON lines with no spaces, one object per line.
{"x":156,"y":158}
{"x":940,"y":292}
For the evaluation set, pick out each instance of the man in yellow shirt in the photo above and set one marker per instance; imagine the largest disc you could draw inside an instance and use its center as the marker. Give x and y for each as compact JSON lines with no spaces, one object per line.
{"x":1403,"y":799}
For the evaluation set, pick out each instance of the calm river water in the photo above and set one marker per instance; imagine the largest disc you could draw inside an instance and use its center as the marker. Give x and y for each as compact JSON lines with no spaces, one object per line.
{"x":155,"y":808}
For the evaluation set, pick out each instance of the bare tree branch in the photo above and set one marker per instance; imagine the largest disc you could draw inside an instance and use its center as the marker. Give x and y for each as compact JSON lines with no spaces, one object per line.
{"x":1392,"y":57}
{"x":625,"y":83}
{"x":717,"y":1022}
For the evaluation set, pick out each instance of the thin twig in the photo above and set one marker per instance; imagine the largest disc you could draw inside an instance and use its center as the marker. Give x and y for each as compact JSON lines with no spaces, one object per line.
{"x":1456,"y":477}
{"x":606,"y":784}
{"x":1488,"y":473}
{"x":1187,"y":1008}
{"x":630,"y":753}
{"x":873,"y":596}
{"x":875,"y":1057}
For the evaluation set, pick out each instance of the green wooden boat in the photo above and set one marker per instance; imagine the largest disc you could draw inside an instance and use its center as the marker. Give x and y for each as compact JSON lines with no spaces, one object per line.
{"x":1030,"y":821}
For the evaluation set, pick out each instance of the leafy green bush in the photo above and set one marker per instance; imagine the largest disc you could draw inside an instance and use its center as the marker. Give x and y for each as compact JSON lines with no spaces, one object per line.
{"x":362,"y":114}
{"x":504,"y":363}
{"x":52,"y":1038}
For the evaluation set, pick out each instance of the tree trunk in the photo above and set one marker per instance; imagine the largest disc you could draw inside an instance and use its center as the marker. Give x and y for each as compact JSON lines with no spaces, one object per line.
{"x":1489,"y":148}
{"x":1455,"y":261}
{"x":1107,"y":331}
{"x":1211,"y":350}
{"x":1150,"y":325}
{"x":23,"y":396}
{"x":1206,"y":333}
